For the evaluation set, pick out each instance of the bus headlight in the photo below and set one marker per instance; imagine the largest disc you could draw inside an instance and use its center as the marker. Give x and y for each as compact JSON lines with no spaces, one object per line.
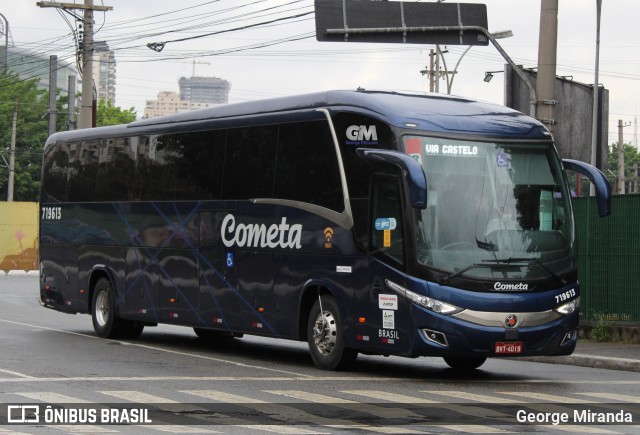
{"x":569,"y":307}
{"x":430,"y":303}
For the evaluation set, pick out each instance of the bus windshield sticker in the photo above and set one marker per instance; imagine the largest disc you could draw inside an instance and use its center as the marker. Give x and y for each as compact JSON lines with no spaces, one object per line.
{"x":386,"y":224}
{"x":387,"y":302}
{"x":388,"y":319}
{"x":502,"y":160}
{"x":414,"y":148}
{"x":387,"y":239}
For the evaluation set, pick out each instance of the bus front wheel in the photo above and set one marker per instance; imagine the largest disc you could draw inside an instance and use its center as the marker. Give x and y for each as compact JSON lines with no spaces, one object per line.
{"x":325,"y":336}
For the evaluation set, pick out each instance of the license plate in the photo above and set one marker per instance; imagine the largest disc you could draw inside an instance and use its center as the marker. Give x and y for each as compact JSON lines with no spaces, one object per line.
{"x":508,"y":347}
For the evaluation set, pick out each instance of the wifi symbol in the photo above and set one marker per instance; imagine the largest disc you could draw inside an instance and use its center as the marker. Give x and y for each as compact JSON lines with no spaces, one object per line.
{"x":328,"y":235}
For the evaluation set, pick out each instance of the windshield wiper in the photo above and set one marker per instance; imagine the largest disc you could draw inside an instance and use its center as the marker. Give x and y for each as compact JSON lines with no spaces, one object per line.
{"x":446,"y":279}
{"x":505,"y":262}
{"x":535,"y":261}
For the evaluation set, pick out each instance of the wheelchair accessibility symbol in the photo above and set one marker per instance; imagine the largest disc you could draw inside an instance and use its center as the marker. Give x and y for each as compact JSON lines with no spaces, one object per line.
{"x":230,"y":262}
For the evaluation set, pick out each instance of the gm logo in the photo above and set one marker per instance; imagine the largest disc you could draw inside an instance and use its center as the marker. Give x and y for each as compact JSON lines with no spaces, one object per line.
{"x":362,"y":133}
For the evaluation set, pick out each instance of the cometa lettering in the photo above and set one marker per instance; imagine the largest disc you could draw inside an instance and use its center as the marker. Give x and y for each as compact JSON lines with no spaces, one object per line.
{"x":280,"y":235}
{"x":510,"y":287}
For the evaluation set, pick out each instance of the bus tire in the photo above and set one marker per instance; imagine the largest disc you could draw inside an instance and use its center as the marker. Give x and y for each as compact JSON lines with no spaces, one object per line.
{"x":103,"y":311}
{"x":325,"y":337}
{"x":131,"y":329}
{"x":464,"y":364}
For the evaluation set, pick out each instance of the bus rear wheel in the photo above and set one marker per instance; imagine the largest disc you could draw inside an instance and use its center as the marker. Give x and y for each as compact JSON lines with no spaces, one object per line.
{"x":103,"y":314}
{"x":325,"y":336}
{"x":464,"y":364}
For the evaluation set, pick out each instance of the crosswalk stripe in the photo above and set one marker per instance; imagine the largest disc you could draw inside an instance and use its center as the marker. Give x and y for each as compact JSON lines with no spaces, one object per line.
{"x":470,"y":428}
{"x":50,"y":397}
{"x":287,"y":412}
{"x":138,"y":396}
{"x":545,"y":397}
{"x":474,"y":412}
{"x":378,"y":411}
{"x":4,"y":431}
{"x":82,"y":428}
{"x":177,"y":428}
{"x":281,"y":429}
{"x":611,"y":396}
{"x":473,"y":397}
{"x":220,"y":396}
{"x":391,"y":397}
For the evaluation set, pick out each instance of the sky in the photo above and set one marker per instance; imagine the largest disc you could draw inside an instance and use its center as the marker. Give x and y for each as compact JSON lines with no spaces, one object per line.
{"x":260,"y":65}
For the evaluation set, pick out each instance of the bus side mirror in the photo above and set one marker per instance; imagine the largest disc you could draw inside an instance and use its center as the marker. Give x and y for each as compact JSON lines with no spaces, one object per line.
{"x":411,"y":171}
{"x":600,"y":182}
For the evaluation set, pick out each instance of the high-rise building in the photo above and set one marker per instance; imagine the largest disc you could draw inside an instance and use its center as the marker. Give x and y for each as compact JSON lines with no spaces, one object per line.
{"x":104,"y":72}
{"x":31,"y":65}
{"x":211,"y":90}
{"x":168,"y":103}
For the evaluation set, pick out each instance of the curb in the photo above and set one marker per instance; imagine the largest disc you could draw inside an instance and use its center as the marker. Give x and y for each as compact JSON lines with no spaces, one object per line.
{"x":593,"y":361}
{"x":4,"y":273}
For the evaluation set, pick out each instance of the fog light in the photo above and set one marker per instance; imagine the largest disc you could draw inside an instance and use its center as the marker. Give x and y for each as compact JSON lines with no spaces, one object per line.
{"x":568,"y":337}
{"x":435,"y":337}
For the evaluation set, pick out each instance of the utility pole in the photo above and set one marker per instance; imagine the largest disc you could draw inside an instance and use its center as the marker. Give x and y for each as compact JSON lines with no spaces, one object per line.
{"x":5,"y":59}
{"x":86,"y":106}
{"x":53,"y":86}
{"x":621,"y":178}
{"x":12,"y":153}
{"x":71,"y":103}
{"x":547,"y":53}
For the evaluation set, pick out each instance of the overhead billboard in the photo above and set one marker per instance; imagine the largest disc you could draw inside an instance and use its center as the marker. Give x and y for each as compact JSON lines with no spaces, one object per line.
{"x":400,"y":22}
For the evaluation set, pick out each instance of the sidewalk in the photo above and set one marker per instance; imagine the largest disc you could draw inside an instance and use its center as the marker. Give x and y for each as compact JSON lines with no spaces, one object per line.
{"x":611,"y":356}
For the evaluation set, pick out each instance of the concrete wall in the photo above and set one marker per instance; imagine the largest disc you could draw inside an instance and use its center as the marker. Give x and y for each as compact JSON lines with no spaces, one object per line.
{"x":18,"y":236}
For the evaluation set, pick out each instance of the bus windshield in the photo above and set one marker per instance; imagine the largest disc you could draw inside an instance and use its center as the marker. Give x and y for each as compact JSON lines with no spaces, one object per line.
{"x":495,"y":210}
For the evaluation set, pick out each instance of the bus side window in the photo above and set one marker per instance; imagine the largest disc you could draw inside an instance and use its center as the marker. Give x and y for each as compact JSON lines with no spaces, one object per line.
{"x":386,"y":220}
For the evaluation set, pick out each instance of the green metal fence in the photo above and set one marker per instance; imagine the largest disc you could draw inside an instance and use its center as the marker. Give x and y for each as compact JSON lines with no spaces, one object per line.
{"x":609,"y":250}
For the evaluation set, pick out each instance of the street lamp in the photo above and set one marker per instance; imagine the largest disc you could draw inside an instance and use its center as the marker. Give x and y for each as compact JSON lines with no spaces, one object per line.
{"x":5,"y":63}
{"x":502,"y":34}
{"x":488,"y":75}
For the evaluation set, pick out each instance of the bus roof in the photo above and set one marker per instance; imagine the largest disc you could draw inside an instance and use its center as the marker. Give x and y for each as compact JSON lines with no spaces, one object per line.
{"x":437,"y":113}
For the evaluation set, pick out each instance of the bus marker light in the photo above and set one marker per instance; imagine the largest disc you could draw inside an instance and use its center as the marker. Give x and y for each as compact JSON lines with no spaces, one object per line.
{"x":261,"y":310}
{"x":173,"y":315}
{"x":362,"y":320}
{"x":47,"y":288}
{"x":217,"y":320}
{"x":256,"y":325}
{"x":362,"y":337}
{"x":172,"y":300}
{"x":142,"y":311}
{"x":82,"y":291}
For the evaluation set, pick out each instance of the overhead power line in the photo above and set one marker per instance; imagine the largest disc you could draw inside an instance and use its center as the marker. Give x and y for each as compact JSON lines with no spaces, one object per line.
{"x":159,"y":46}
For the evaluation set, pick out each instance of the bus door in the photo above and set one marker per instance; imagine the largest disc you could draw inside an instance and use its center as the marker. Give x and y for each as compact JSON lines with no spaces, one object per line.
{"x":389,"y":324}
{"x":218,"y":275}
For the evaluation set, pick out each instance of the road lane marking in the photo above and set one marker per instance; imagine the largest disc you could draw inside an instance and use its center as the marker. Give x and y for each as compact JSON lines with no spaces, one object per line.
{"x":473,"y":397}
{"x":614,"y":397}
{"x":160,"y":349}
{"x":51,"y":397}
{"x":545,"y":397}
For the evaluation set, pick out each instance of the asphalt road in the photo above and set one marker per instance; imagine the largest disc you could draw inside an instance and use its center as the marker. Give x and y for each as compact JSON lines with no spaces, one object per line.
{"x":170,"y":381}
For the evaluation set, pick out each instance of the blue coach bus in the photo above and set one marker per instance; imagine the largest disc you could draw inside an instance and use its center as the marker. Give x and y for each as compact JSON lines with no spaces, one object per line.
{"x":360,"y":222}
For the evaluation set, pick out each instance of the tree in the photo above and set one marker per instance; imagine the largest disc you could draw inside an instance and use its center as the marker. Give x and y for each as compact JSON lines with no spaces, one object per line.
{"x":631,"y":157}
{"x":31,"y":134}
{"x":109,"y":114}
